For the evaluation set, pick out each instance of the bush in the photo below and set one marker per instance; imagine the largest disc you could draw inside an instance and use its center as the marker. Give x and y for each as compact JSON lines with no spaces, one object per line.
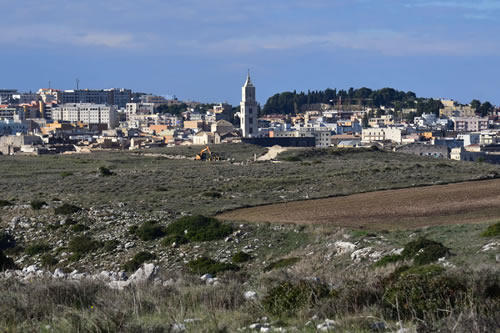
{"x":5,"y":203}
{"x":66,"y":209}
{"x":105,"y":171}
{"x":492,"y":231}
{"x":206,"y":265}
{"x":212,"y":194}
{"x":422,"y":295}
{"x":199,"y":228}
{"x":37,"y":205}
{"x":48,"y":260}
{"x":79,"y":228}
{"x":37,"y":248}
{"x":177,"y":239}
{"x":241,"y":257}
{"x":133,"y":264}
{"x":81,"y":245}
{"x":282,"y":263}
{"x":6,"y":262}
{"x":292,"y":158}
{"x":65,"y":174}
{"x":110,"y":245}
{"x":150,"y":230}
{"x":6,"y":241}
{"x":288,"y":297}
{"x":388,"y":259}
{"x":424,"y":251}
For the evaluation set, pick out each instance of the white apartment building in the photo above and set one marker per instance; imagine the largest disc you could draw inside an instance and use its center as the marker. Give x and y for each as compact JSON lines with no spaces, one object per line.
{"x":86,"y":113}
{"x":383,"y":134}
{"x":470,"y":124}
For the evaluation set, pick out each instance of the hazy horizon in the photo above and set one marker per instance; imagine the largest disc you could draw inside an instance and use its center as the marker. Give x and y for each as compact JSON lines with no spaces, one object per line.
{"x":201,"y":51}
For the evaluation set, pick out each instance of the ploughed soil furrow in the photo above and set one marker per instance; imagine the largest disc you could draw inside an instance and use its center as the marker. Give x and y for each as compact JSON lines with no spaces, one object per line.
{"x":460,"y":203}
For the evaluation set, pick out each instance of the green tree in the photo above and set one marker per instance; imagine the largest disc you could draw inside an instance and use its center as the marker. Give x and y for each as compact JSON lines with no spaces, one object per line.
{"x":475,"y":104}
{"x":485,"y":109}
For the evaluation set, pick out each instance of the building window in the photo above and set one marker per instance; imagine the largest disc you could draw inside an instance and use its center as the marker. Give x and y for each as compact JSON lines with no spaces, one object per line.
{"x":250,"y":130}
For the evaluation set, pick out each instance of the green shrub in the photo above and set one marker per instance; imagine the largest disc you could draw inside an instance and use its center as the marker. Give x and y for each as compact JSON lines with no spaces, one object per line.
{"x":5,"y":203}
{"x":48,"y":260}
{"x":79,"y":228}
{"x":136,"y":262}
{"x":110,"y":245}
{"x":241,"y":257}
{"x":150,"y":230}
{"x":82,"y":245}
{"x":37,"y":205}
{"x":388,"y":259}
{"x":133,"y":229}
{"x":199,"y":228}
{"x":287,"y":297}
{"x":37,"y":248}
{"x":161,"y":189}
{"x":424,"y":251}
{"x":7,"y":241}
{"x":105,"y":171}
{"x":424,"y":270}
{"x":293,"y":158}
{"x":212,"y":194}
{"x":422,"y":295}
{"x":6,"y":262}
{"x":492,"y":231}
{"x":65,"y":174}
{"x":66,"y":209}
{"x":282,"y":263}
{"x":206,"y":265}
{"x":177,"y":239}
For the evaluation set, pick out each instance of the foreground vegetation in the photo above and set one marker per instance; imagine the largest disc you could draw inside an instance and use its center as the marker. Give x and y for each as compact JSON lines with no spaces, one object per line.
{"x":72,"y":216}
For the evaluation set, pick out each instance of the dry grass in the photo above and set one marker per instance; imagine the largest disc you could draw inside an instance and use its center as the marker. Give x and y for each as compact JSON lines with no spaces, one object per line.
{"x":401,"y":209}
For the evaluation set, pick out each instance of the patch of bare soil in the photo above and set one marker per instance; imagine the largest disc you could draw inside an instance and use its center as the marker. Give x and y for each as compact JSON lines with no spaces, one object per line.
{"x":462,"y":203}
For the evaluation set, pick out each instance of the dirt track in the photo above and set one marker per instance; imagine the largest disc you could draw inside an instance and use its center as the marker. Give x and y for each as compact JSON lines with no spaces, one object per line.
{"x":462,"y":203}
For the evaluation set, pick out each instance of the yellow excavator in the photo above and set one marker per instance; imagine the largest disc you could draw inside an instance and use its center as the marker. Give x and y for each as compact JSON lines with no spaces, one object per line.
{"x":206,"y":155}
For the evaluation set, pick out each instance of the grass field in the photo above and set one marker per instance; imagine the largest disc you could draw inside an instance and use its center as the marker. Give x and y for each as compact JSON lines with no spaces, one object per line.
{"x":147,"y":183}
{"x":300,"y":275}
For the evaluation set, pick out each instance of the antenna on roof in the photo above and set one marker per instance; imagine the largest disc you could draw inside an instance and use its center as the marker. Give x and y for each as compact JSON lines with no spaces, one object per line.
{"x":77,"y":84}
{"x":49,"y":84}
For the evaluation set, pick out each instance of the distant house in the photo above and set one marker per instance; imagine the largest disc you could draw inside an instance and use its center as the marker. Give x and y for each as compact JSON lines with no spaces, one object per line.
{"x":206,"y":138}
{"x":222,"y":126}
{"x":420,"y":149}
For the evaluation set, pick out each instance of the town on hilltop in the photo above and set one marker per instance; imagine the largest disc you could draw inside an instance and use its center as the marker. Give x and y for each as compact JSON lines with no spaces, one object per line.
{"x":53,"y":121}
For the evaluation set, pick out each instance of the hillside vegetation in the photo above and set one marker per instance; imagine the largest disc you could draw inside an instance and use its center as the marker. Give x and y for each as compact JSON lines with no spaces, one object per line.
{"x":138,"y":250}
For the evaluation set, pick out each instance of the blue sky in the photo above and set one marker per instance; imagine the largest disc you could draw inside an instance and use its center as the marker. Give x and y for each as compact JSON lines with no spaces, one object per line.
{"x":201,"y":50}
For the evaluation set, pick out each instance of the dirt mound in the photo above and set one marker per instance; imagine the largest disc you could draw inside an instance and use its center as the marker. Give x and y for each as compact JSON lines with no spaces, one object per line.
{"x":460,"y":203}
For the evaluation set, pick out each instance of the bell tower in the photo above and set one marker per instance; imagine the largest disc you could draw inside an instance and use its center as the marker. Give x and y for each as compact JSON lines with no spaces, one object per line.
{"x":248,"y":109}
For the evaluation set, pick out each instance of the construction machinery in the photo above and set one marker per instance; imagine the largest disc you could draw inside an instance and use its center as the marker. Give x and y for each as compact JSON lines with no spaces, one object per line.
{"x":206,"y":155}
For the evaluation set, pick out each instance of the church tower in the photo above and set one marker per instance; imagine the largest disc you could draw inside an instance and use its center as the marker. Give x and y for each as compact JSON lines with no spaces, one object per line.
{"x":248,"y":109}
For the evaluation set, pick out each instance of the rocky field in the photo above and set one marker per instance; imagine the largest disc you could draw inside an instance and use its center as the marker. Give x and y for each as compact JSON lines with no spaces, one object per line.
{"x":123,"y":242}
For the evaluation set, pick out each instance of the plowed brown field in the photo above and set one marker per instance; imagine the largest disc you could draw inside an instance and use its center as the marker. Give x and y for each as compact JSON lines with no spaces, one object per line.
{"x":461,"y":203}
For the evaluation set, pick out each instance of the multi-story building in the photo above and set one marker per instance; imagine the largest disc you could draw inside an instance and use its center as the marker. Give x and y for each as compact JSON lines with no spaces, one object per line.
{"x":383,"y":134}
{"x":451,"y":109}
{"x":139,"y":108}
{"x":86,"y":113}
{"x":49,"y":95}
{"x":118,"y":97}
{"x":469,"y":124}
{"x":11,"y":112}
{"x":6,"y":95}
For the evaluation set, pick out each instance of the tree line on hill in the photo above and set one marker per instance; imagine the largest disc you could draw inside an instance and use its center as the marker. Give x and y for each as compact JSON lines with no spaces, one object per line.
{"x":292,"y":102}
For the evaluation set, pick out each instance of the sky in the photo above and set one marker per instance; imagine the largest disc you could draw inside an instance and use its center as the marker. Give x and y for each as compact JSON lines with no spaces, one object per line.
{"x":201,"y":50}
